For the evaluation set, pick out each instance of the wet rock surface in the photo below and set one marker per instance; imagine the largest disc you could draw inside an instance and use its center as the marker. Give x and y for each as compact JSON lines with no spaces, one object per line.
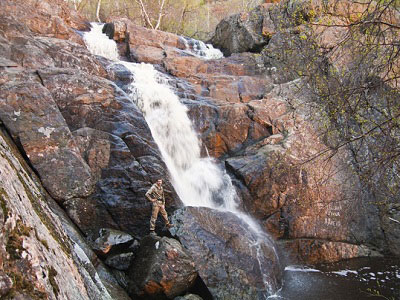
{"x":162,"y":269}
{"x":225,"y":251}
{"x":189,"y":297}
{"x":250,"y":114}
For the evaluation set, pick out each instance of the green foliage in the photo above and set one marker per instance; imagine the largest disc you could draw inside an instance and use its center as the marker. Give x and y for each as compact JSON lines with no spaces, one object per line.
{"x":14,"y":242}
{"x":36,"y":198}
{"x":23,"y":286}
{"x":3,"y":204}
{"x":52,"y":274}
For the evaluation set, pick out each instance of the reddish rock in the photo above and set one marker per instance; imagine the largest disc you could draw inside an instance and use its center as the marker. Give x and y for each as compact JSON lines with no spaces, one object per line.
{"x":147,"y":54}
{"x":32,"y":116}
{"x":268,"y":112}
{"x":116,"y":29}
{"x":316,"y":200}
{"x":233,"y":125}
{"x":183,"y":66}
{"x":138,"y":36}
{"x":144,"y":45}
{"x":311,"y":251}
{"x":49,"y":18}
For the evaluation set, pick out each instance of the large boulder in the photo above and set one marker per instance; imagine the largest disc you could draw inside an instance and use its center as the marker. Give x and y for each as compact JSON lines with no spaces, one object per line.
{"x":111,"y":241}
{"x":232,"y":260}
{"x":120,"y":261}
{"x":34,"y":120}
{"x":316,"y":251}
{"x":143,"y":44}
{"x":241,"y":32}
{"x":391,"y":226}
{"x":162,"y":269}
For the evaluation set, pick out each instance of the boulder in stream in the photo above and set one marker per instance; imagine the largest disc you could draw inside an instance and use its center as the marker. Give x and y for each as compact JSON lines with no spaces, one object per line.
{"x":162,"y":269}
{"x":232,"y":260}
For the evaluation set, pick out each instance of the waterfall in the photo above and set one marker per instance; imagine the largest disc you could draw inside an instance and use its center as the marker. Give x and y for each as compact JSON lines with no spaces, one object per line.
{"x":201,"y":49}
{"x":199,"y":181}
{"x":99,"y":43}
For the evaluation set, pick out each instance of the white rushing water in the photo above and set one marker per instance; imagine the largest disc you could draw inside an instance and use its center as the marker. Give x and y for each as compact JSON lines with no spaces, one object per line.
{"x":199,"y":181}
{"x":201,"y":49}
{"x":99,"y":43}
{"x":196,"y":179}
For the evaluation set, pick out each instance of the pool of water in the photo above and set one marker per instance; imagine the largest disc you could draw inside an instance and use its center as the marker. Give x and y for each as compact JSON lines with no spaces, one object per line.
{"x":362,"y":278}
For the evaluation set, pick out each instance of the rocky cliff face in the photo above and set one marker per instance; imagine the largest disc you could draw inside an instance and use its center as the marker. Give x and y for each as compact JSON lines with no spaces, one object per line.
{"x":77,"y":130}
{"x":42,"y":254}
{"x":326,"y":193}
{"x":91,"y":149}
{"x":89,"y":144}
{"x":253,"y":115}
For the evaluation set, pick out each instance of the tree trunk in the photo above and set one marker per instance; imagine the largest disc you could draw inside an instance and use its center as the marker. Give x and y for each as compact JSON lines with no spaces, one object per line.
{"x":98,"y":11}
{"x":160,"y":14}
{"x":144,"y":12}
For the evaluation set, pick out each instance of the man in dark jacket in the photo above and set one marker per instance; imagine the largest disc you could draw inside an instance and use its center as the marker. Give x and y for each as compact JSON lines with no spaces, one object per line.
{"x":156,"y":195}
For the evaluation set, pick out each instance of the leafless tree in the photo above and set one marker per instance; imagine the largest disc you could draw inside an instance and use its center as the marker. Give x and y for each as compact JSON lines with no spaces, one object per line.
{"x":347,"y":53}
{"x":153,"y":23}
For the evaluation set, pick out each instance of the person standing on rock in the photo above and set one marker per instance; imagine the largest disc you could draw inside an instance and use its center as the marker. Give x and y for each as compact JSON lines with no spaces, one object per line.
{"x":156,"y":195}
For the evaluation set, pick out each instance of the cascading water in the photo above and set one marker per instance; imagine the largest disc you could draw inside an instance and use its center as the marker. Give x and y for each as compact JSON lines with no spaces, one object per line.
{"x":197,"y":180}
{"x":200,"y":49}
{"x":99,"y":43}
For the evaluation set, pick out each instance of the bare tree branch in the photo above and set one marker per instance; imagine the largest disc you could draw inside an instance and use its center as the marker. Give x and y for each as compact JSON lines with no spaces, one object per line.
{"x":160,"y":14}
{"x":144,"y":11}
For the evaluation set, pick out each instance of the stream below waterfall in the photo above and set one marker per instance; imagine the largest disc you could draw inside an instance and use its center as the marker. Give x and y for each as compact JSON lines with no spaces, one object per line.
{"x":354,"y":279}
{"x":367,"y":278}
